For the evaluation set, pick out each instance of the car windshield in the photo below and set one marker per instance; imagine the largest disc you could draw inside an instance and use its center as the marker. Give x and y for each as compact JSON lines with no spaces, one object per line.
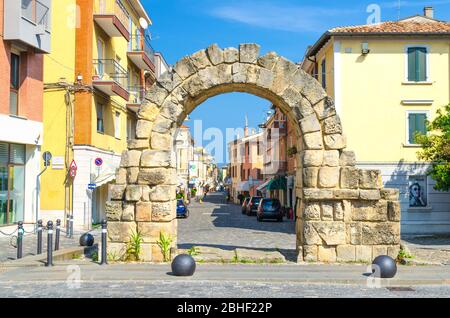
{"x":180,"y":202}
{"x":256,"y":200}
{"x":271,"y":205}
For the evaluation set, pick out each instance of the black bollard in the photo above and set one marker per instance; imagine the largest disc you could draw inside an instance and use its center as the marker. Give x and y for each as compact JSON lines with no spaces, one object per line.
{"x":71,"y":226}
{"x":49,"y":244}
{"x":39,"y":237}
{"x":67,"y":225}
{"x":57,"y":234}
{"x":19,"y":239}
{"x":104,"y":232}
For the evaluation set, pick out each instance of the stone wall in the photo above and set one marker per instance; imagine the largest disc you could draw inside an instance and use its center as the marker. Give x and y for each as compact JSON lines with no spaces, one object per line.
{"x":344,"y":214}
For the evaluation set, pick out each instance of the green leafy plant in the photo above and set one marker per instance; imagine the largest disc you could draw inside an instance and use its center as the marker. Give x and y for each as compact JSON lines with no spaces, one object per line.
{"x":292,"y":151}
{"x":193,"y":251}
{"x":164,"y":244}
{"x":94,"y":256}
{"x":235,"y":257}
{"x":134,"y":246}
{"x":113,"y":256}
{"x":403,"y":256}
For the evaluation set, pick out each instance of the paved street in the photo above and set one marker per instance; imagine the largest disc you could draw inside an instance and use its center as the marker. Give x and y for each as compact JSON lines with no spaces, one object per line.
{"x":216,"y":224}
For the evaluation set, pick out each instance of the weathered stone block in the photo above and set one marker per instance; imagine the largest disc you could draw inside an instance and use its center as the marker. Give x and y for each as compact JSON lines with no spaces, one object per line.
{"x":151,"y":230}
{"x":348,"y":158}
{"x":120,"y":231}
{"x":345,"y":194}
{"x":313,"y":141}
{"x":148,"y":111}
{"x":336,"y":141}
{"x":145,"y":254}
{"x":130,"y":158}
{"x":160,"y":141}
{"x":329,"y":232}
{"x":349,"y":178}
{"x":312,"y":211}
{"x":310,"y":235}
{"x":171,"y":110}
{"x":162,"y":193}
{"x":317,"y":194}
{"x":393,"y":251}
{"x":138,"y":144}
{"x":329,"y":177}
{"x":156,"y":176}
{"x":339,"y":211}
{"x":185,"y":68}
{"x":156,"y":94}
{"x":117,"y":191}
{"x":386,"y":233}
{"x":145,"y":193}
{"x":331,"y":158}
{"x":162,"y":125}
{"x":325,"y":108}
{"x":132,"y":175}
{"x":390,"y":194}
{"x":369,"y":211}
{"x":121,"y":176}
{"x":249,"y":53}
{"x":327,"y":254}
{"x":113,"y":210}
{"x":128,"y":212}
{"x":155,"y":159}
{"x":163,"y":211}
{"x":115,"y":251}
{"x":313,"y":91}
{"x":269,"y":60}
{"x":143,"y":129}
{"x":143,"y":212}
{"x":157,"y":255}
{"x":354,"y":233}
{"x":394,"y":211}
{"x":370,"y":179}
{"x":369,"y":195}
{"x":346,"y":253}
{"x":293,"y":99}
{"x":312,"y":158}
{"x":310,"y":176}
{"x":133,"y":193}
{"x":215,"y":54}
{"x":378,"y":250}
{"x":332,"y":125}
{"x":231,"y":55}
{"x":265,"y":78}
{"x":327,"y":211}
{"x":310,"y":253}
{"x":364,"y":253}
{"x":200,"y":59}
{"x":310,"y":124}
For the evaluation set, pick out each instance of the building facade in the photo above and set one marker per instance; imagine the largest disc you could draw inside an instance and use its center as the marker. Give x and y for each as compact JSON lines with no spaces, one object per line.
{"x":26,"y":38}
{"x":387,"y":80}
{"x":95,"y":84}
{"x":184,"y":148}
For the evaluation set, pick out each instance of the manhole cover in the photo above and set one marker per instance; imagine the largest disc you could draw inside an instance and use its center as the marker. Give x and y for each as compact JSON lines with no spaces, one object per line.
{"x":400,"y":289}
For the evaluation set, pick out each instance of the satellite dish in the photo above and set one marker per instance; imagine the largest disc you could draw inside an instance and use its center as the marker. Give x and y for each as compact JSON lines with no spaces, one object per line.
{"x":143,"y":23}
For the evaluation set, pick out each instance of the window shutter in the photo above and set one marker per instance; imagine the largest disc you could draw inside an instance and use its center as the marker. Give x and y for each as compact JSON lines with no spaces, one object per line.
{"x":420,"y":123}
{"x":412,"y":127}
{"x":3,"y":153}
{"x":17,"y":154}
{"x":421,"y":60}
{"x":412,"y":65}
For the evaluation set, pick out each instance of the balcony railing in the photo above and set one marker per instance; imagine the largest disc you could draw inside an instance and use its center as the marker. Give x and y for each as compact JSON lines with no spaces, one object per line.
{"x":110,"y":70}
{"x":137,"y":94}
{"x":139,"y":43}
{"x":36,"y":12}
{"x":113,"y":7}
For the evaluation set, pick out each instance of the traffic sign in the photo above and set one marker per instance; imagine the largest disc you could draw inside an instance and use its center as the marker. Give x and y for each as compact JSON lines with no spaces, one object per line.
{"x":73,"y":169}
{"x":47,"y":156}
{"x":98,"y":162}
{"x":92,"y":186}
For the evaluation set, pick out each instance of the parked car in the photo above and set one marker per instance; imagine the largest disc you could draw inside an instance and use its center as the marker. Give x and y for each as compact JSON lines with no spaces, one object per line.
{"x":244,"y":205}
{"x":253,"y":204}
{"x":182,"y":209}
{"x":270,"y":209}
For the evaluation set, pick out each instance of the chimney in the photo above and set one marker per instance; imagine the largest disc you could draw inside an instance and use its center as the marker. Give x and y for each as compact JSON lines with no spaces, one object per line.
{"x":428,"y":12}
{"x":246,"y":127}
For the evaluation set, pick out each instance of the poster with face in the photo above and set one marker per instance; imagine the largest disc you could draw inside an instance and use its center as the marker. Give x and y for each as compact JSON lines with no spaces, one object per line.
{"x":417,"y":191}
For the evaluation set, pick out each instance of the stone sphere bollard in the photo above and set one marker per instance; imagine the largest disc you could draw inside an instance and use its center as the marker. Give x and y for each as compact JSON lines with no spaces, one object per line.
{"x":183,"y":265}
{"x":86,"y":239}
{"x":386,"y":266}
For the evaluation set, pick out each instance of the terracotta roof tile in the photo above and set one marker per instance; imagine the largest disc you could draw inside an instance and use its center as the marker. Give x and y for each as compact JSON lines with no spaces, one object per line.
{"x":397,"y":27}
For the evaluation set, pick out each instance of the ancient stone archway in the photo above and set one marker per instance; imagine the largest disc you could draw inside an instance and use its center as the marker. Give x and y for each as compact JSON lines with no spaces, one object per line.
{"x":344,"y":214}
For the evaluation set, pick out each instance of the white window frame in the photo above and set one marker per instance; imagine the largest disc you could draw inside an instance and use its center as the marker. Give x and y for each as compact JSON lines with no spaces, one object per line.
{"x":428,"y":66}
{"x":117,"y":124}
{"x":407,"y":113}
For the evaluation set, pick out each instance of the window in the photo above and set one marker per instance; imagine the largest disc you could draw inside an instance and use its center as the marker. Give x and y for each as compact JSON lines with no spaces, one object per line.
{"x":416,"y":124}
{"x":117,"y":125}
{"x":417,"y":191}
{"x":14,"y":87}
{"x":100,"y":125}
{"x":417,"y":64}
{"x":258,"y":148}
{"x":324,"y":73}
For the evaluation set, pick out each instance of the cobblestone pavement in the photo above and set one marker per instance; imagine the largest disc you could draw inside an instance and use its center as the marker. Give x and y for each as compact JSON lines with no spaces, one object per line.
{"x":216,"y":224}
{"x":8,"y":251}
{"x":429,"y":249}
{"x":187,"y":289}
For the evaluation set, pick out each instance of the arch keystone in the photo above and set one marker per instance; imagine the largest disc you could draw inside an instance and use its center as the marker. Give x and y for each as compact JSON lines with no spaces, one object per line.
{"x":249,"y":53}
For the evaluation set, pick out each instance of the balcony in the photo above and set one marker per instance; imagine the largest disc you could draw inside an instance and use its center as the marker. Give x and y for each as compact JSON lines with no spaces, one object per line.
{"x":137,"y":94}
{"x":112,"y":17}
{"x":275,"y":167}
{"x":110,"y":78}
{"x":28,"y":23}
{"x":141,"y":53}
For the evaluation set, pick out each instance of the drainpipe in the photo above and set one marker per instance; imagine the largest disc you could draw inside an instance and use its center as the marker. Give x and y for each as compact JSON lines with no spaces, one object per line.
{"x":38,"y":188}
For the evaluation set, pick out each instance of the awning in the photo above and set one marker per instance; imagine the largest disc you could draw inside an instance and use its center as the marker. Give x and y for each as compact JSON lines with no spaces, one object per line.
{"x":276,"y":183}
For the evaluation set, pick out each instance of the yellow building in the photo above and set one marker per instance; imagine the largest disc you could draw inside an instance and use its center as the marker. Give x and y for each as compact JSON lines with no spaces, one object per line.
{"x":95,"y":79}
{"x":386,"y":80}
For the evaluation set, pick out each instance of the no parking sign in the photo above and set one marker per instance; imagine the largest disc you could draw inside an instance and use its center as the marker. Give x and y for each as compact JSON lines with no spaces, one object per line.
{"x":98,"y":162}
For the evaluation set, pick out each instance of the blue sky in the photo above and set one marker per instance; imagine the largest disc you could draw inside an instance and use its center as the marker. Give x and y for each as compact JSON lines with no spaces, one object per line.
{"x":182,"y":27}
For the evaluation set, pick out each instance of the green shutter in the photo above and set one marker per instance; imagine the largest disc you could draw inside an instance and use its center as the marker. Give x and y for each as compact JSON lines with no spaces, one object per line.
{"x":412,"y":128}
{"x":417,"y":123}
{"x":411,"y":64}
{"x":421,"y":60}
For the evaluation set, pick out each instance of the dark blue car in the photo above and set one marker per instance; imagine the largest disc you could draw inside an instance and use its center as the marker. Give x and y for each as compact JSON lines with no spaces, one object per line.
{"x":182,"y":210}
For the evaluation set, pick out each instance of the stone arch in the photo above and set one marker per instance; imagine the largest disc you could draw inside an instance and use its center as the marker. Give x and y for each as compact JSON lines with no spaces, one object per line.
{"x":344,"y":213}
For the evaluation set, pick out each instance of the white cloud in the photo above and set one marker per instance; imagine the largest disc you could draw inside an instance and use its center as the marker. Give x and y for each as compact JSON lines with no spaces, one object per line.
{"x":285,"y":18}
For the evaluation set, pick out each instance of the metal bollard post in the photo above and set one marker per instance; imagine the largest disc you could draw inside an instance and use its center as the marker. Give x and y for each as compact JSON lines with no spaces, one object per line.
{"x":57,"y":234}
{"x":71,"y":226}
{"x":39,"y":237}
{"x":67,"y":225}
{"x":104,"y":231}
{"x":49,"y":244}
{"x":19,"y":240}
